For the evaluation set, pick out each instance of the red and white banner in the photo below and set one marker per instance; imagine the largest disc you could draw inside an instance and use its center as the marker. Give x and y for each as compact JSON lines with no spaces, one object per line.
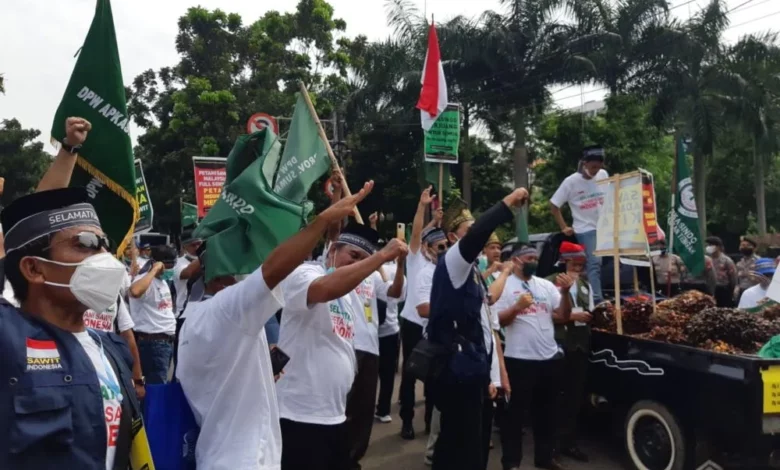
{"x":210,"y":176}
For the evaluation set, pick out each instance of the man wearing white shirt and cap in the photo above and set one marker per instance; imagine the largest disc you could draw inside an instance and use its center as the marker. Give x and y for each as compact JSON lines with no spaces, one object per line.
{"x":321,"y":312}
{"x":225,"y":368}
{"x":763,"y":271}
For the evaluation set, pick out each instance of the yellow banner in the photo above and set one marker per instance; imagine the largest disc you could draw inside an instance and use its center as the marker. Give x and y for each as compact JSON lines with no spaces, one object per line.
{"x":771,"y":379}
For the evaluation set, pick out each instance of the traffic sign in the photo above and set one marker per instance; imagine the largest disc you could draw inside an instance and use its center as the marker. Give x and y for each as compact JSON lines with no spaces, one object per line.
{"x":259,"y":121}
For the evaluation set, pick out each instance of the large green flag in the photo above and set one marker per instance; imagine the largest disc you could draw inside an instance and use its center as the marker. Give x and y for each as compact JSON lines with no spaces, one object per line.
{"x":248,"y":220}
{"x":686,"y":241}
{"x":305,"y":157}
{"x":105,"y":163}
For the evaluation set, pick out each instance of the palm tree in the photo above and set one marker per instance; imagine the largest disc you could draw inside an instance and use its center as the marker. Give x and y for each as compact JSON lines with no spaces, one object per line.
{"x":689,"y":90}
{"x":634,"y":28}
{"x":756,"y":60}
{"x":2,"y":86}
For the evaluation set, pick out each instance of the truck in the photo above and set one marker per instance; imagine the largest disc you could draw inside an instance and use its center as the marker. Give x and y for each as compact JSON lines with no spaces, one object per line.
{"x":676,"y":407}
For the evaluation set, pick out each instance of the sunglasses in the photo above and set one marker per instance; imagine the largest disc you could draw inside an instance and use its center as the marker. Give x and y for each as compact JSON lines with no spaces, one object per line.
{"x":88,"y":241}
{"x":441,"y":248}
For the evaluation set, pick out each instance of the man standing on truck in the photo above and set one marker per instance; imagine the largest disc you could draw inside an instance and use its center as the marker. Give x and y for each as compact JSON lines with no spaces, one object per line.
{"x":746,"y":267}
{"x":584,"y":198}
{"x":574,"y":337}
{"x":725,"y":272}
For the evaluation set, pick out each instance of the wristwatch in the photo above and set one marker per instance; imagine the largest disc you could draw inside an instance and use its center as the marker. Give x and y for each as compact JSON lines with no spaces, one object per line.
{"x":71,"y":149}
{"x":141,"y":381}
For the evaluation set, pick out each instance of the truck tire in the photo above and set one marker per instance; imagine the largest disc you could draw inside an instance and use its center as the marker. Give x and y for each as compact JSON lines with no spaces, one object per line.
{"x":654,"y":438}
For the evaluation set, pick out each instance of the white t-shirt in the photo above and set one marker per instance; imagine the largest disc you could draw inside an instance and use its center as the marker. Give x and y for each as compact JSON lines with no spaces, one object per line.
{"x":181,"y":284}
{"x":459,"y":270}
{"x":8,"y":294}
{"x":153,"y":311}
{"x":225,"y":371}
{"x":420,"y":283}
{"x":319,"y":340}
{"x":367,"y":324}
{"x":584,"y":197}
{"x":105,"y":321}
{"x":390,"y":326}
{"x":752,"y":296}
{"x":531,"y":335}
{"x":109,"y":386}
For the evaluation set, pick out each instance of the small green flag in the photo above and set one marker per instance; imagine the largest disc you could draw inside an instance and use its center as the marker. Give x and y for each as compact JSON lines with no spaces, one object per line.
{"x":248,"y":220}
{"x":305,"y":158}
{"x":105,"y":163}
{"x":687,"y":241}
{"x":189,"y":215}
{"x":432,"y":176}
{"x":145,"y":208}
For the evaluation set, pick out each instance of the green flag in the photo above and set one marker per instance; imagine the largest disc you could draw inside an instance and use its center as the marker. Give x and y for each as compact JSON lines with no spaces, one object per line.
{"x":189,"y":215}
{"x":305,"y":157}
{"x":145,"y":208}
{"x":105,"y":163}
{"x":248,"y":220}
{"x":686,"y":241}
{"x":432,"y":176}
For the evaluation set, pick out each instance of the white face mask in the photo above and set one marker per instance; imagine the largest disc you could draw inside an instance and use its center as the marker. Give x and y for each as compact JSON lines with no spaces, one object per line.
{"x":710,"y":250}
{"x":95,"y":282}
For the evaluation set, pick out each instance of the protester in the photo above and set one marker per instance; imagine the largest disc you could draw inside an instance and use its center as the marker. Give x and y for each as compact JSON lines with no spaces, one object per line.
{"x":362,"y":396}
{"x":151,"y":306}
{"x":763,"y":271}
{"x":225,"y":368}
{"x":460,"y":322}
{"x":490,"y":262}
{"x":574,"y":337}
{"x":424,"y":247}
{"x":187,"y":266}
{"x":725,"y":272}
{"x":317,"y":332}
{"x":746,"y":267}
{"x":528,"y":307}
{"x":73,"y":384}
{"x":669,"y":270}
{"x":584,"y":198}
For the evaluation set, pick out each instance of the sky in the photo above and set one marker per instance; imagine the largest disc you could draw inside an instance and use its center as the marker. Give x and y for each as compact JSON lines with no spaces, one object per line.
{"x":40,"y":37}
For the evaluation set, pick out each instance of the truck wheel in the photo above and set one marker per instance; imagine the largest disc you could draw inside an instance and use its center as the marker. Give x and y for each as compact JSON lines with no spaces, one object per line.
{"x":654,"y":438}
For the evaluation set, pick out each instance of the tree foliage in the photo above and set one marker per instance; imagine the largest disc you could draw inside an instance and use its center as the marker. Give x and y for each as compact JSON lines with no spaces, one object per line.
{"x":22,"y":160}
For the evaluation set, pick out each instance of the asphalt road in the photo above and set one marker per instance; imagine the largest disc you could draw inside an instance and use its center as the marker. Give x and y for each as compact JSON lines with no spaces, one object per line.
{"x":389,"y":452}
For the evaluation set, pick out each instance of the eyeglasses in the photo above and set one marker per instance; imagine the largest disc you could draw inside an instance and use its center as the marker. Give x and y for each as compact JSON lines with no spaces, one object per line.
{"x":88,"y":241}
{"x":441,"y":248}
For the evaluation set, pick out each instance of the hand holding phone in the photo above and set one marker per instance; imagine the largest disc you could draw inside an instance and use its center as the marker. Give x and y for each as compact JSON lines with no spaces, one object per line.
{"x":400,"y":232}
{"x":278,"y":360}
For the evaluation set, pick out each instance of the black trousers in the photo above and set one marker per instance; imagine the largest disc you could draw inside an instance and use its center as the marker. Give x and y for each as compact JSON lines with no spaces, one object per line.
{"x":461,"y":443}
{"x":535,"y":385}
{"x":388,"y":365}
{"x":314,"y":446}
{"x":488,"y":411}
{"x":360,"y":407}
{"x":411,"y":334}
{"x":575,"y":374}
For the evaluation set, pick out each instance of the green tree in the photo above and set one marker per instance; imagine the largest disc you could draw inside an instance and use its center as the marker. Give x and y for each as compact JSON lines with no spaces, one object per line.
{"x":22,"y":160}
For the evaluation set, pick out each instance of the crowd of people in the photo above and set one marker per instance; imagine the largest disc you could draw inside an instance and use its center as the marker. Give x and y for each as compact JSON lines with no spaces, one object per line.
{"x":83,"y":334}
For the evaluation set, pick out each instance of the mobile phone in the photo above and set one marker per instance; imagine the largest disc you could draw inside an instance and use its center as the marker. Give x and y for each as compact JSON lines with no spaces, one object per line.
{"x":279,"y":359}
{"x":400,"y":231}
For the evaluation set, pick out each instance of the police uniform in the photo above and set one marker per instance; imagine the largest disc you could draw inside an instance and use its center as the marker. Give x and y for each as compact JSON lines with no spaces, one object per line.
{"x":51,"y":404}
{"x":457,"y":323}
{"x":669,"y":270}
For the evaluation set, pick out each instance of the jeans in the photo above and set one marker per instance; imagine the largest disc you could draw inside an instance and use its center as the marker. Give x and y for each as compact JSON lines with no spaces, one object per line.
{"x":155,"y":359}
{"x":272,"y":330}
{"x":588,"y":240}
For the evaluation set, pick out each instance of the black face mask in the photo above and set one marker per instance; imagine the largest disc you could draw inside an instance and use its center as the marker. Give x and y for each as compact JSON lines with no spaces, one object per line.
{"x":746,"y":251}
{"x":529,"y":269}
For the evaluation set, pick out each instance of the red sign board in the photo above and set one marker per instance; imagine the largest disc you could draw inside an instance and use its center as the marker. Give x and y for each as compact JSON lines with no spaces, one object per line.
{"x":210,"y":176}
{"x":654,"y":232}
{"x":260,"y":121}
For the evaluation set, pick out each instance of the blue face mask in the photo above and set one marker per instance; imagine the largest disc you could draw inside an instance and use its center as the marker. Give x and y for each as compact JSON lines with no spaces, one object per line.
{"x":167,"y":275}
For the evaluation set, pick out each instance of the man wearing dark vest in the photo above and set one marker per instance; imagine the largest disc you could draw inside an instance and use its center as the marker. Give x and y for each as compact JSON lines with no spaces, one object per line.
{"x":67,"y":392}
{"x":458,"y":322}
{"x":574,"y":337}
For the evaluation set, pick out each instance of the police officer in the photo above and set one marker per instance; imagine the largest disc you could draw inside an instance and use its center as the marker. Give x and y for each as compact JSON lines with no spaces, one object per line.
{"x":66,"y":392}
{"x":746,"y":267}
{"x":669,"y":270}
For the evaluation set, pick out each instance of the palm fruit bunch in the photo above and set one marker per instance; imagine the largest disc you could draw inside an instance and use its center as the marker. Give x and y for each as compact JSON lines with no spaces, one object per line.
{"x":666,"y":334}
{"x":604,"y":318}
{"x":636,"y":317}
{"x":738,"y":328}
{"x":720,"y":347}
{"x":772,"y":312}
{"x":689,"y":302}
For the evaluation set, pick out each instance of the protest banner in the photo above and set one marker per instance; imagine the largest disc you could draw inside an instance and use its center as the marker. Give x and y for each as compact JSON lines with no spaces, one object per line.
{"x":145,"y":209}
{"x":443,"y":138}
{"x":210,"y":175}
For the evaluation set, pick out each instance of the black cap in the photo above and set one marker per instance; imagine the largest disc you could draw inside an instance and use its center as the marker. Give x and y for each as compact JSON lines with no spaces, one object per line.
{"x":360,"y":236}
{"x":43,"y":201}
{"x":714,"y":241}
{"x":593,"y":153}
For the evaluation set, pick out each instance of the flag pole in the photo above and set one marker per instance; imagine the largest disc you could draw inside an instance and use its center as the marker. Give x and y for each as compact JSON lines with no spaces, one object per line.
{"x":324,"y":137}
{"x":441,"y":182}
{"x":670,"y":245}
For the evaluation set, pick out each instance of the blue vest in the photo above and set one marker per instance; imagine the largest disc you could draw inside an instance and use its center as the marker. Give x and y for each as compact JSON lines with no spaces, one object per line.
{"x":51,"y":408}
{"x":455,"y":321}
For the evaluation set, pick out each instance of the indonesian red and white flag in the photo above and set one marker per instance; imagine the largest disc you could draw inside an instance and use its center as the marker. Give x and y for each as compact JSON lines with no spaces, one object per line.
{"x":433,"y":96}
